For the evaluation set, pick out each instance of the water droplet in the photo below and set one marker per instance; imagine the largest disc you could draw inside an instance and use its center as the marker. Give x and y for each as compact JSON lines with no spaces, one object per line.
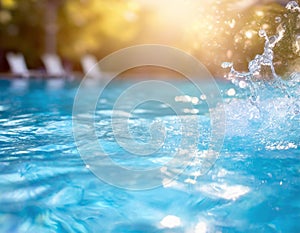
{"x":262,"y":33}
{"x":293,"y":6}
{"x":231,"y":92}
{"x":226,"y":65}
{"x":195,"y":100}
{"x":242,"y":84}
{"x":203,"y":97}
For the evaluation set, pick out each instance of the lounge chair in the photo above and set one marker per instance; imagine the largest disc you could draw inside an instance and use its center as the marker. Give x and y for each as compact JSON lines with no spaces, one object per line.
{"x":55,"y":68}
{"x":53,"y":65}
{"x":17,"y":64}
{"x":18,"y":67}
{"x":90,"y":67}
{"x":19,"y":71}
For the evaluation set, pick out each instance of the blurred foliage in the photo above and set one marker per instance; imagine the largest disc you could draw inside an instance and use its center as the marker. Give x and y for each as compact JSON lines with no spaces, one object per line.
{"x":8,"y":4}
{"x":216,"y":31}
{"x":96,"y":26}
{"x":21,"y":28}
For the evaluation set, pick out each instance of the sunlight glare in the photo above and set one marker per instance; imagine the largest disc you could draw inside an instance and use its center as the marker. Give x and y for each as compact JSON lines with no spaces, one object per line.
{"x":178,"y":13}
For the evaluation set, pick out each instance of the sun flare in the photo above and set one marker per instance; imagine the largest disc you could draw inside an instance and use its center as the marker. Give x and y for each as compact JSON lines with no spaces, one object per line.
{"x":180,"y":13}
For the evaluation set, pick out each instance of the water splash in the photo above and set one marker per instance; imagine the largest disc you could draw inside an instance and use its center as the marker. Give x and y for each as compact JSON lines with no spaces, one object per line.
{"x":256,"y":66}
{"x":261,"y":69}
{"x":271,"y":114}
{"x":293,"y":6}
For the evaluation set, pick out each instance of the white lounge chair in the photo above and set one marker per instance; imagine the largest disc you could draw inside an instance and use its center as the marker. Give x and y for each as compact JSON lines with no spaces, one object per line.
{"x":53,"y":65}
{"x":55,"y":68}
{"x":17,"y":64}
{"x":90,"y":67}
{"x":18,"y":69}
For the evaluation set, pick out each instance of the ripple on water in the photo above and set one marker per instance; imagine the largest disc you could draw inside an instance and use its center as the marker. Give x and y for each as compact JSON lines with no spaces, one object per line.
{"x":45,"y":186}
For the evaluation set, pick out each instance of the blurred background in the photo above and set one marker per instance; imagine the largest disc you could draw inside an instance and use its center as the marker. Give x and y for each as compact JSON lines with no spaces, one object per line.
{"x":212,"y":31}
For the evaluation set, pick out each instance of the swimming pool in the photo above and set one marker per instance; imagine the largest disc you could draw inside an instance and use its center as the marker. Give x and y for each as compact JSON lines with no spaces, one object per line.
{"x":45,"y":186}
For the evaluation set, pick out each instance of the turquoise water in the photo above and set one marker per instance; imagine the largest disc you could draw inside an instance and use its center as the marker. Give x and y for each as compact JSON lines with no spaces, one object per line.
{"x":46,"y":187}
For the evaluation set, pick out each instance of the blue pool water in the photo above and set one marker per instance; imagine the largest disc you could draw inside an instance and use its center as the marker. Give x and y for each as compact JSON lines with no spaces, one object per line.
{"x":45,"y":186}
